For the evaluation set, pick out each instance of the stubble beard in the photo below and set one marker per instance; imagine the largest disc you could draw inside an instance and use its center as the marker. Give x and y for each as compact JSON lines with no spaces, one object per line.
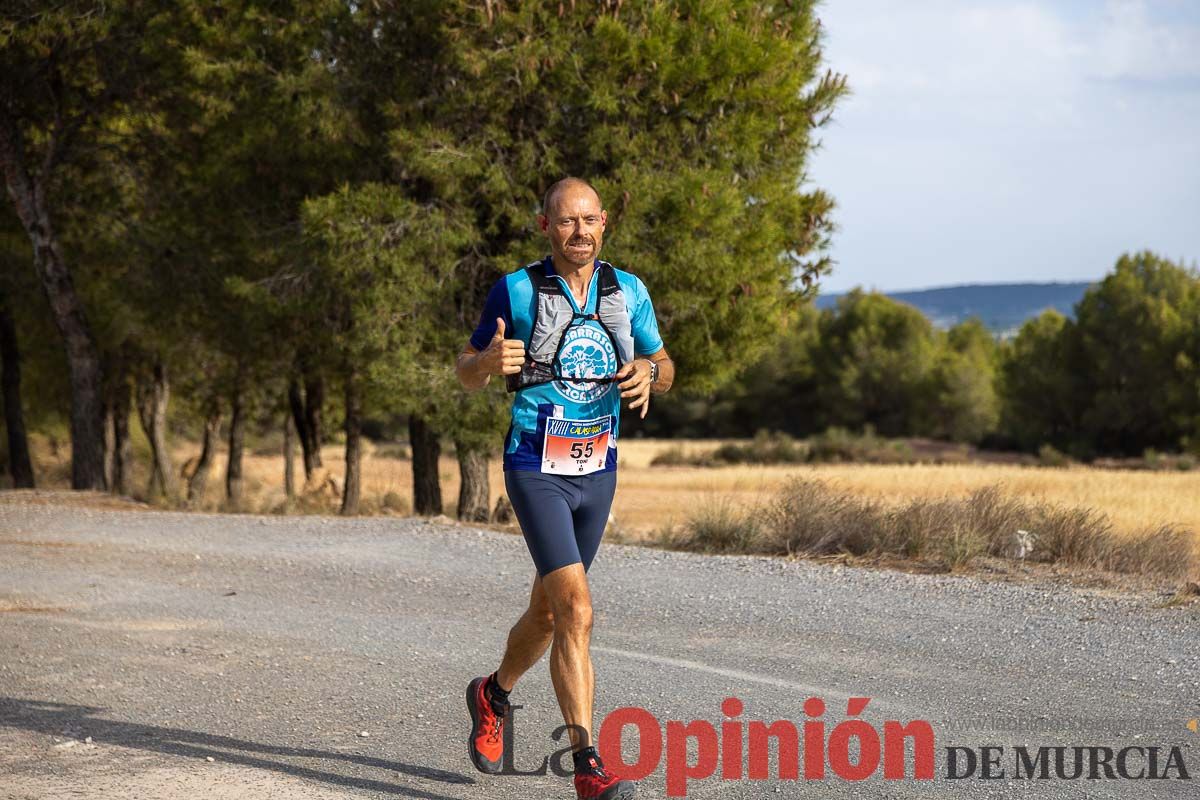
{"x":580,"y":258}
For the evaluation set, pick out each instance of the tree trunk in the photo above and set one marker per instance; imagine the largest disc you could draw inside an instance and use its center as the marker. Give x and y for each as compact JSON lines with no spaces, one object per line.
{"x":427,"y":485}
{"x":300,"y":423}
{"x":112,"y":371}
{"x":306,"y":413}
{"x":122,"y":459}
{"x":314,"y":399}
{"x":19,"y":463}
{"x":352,"y":489}
{"x":473,"y":489}
{"x":289,"y":455}
{"x":83,"y":360}
{"x":237,"y":436}
{"x":153,"y":396}
{"x":198,"y":481}
{"x":110,"y":445}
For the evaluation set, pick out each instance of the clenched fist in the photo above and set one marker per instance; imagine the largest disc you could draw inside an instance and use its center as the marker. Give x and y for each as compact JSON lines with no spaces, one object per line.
{"x":502,"y":356}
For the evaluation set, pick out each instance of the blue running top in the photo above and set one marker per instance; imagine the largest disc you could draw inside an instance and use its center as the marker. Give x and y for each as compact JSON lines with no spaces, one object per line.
{"x":585,"y":346}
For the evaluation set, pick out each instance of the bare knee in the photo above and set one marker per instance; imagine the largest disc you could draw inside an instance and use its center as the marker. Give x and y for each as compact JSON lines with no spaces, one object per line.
{"x":541,"y":618}
{"x":574,"y":616}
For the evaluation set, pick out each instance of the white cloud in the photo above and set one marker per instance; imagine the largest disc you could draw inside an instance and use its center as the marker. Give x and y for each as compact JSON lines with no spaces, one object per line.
{"x":1008,"y":139}
{"x":985,"y":59}
{"x":1131,"y":44}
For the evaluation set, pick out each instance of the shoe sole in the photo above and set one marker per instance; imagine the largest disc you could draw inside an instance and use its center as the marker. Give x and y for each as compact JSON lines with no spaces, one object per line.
{"x":481,"y":763}
{"x":624,"y":790}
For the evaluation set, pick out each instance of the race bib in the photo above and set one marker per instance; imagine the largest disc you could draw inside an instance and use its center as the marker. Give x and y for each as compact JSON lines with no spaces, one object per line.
{"x":576,"y":447}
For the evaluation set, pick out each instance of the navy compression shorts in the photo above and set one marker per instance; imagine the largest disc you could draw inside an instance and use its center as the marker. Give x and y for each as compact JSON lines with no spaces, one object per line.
{"x":562,"y":517}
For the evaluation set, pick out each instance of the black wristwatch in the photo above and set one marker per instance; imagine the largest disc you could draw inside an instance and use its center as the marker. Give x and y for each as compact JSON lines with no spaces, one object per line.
{"x":653,"y":372}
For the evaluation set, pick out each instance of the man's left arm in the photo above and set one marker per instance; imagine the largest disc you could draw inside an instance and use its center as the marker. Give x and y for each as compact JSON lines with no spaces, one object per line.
{"x":637,"y":383}
{"x":637,"y":379}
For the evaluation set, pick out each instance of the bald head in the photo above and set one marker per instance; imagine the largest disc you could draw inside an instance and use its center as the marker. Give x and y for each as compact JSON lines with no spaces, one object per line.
{"x":560,"y":186}
{"x":573,"y":220}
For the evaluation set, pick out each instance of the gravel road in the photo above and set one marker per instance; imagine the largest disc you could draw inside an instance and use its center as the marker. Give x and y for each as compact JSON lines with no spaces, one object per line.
{"x":166,"y":655}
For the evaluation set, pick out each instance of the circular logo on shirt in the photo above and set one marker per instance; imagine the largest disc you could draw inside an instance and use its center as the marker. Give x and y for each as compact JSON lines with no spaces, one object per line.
{"x":586,"y":352}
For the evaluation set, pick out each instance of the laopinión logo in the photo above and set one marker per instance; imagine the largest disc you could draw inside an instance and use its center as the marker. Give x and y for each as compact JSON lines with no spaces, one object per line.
{"x":819,"y":750}
{"x":586,"y":352}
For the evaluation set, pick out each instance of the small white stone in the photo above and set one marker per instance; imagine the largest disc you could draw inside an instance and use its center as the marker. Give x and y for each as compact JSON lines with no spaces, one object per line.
{"x":364,"y":734}
{"x":209,"y":759}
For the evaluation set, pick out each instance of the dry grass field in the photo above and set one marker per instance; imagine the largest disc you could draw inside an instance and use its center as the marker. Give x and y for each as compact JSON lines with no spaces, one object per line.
{"x":1134,"y":500}
{"x":650,"y":499}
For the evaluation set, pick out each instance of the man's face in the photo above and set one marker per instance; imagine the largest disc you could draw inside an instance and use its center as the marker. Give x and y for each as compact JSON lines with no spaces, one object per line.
{"x":574,"y":225}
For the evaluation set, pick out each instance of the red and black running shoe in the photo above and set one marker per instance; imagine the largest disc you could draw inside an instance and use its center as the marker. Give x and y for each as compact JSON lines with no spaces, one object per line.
{"x":594,"y":782}
{"x":486,"y":743}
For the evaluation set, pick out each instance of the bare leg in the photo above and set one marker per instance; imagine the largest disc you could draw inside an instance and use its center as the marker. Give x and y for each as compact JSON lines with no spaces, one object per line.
{"x":570,"y":602}
{"x":528,"y":639}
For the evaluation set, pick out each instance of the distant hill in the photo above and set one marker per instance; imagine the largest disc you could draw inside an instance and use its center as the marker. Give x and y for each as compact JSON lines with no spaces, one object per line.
{"x":1003,"y":307}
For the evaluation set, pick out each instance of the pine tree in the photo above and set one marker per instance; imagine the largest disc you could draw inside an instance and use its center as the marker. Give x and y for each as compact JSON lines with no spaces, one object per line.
{"x":65,"y":71}
{"x":694,"y":120}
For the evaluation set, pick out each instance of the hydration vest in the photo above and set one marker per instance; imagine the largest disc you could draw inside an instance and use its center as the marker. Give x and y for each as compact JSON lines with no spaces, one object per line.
{"x":554,"y":315}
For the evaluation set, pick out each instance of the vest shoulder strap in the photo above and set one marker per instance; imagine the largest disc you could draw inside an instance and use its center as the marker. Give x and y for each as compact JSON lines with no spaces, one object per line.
{"x":540,"y":280}
{"x":608,"y":283}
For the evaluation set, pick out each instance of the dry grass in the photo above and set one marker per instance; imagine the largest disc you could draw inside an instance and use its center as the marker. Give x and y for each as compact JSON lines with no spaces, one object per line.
{"x":1133,"y":500}
{"x":387,"y":477}
{"x":656,"y":498}
{"x":813,"y":518}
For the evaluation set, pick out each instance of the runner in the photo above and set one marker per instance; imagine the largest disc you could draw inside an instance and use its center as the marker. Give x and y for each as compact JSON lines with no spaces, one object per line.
{"x":583,"y":336}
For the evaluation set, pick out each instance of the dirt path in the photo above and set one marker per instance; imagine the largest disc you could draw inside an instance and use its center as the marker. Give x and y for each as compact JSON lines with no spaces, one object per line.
{"x":270,"y":644}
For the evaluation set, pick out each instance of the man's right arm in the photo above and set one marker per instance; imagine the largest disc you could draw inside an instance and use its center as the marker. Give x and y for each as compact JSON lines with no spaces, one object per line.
{"x":475,"y":368}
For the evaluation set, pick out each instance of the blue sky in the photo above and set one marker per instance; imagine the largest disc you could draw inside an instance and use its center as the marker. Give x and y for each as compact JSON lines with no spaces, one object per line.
{"x":991,"y":141}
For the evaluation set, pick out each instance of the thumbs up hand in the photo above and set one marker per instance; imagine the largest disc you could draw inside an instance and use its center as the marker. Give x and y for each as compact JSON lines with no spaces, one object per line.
{"x":502,"y":356}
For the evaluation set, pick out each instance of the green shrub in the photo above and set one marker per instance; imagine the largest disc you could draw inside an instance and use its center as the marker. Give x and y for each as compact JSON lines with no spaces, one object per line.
{"x":1051,"y":456}
{"x":394,"y":501}
{"x":764,"y":448}
{"x":673,"y":456}
{"x":835,"y":445}
{"x":838,"y":445}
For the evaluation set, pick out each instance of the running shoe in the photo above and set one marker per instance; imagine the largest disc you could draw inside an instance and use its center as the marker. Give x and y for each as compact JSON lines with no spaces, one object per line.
{"x":486,"y":743}
{"x":594,"y":782}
